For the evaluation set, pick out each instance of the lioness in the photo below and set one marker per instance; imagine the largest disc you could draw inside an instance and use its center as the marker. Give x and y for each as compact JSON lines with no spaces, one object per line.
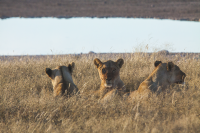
{"x":111,"y":83}
{"x":61,"y":78}
{"x":163,"y":75}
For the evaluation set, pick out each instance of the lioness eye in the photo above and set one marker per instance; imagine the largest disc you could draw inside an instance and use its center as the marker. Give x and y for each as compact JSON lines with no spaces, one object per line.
{"x":103,"y":70}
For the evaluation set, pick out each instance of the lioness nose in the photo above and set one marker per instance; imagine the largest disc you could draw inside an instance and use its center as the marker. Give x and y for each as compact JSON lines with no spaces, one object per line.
{"x":184,"y":75}
{"x":108,"y":79}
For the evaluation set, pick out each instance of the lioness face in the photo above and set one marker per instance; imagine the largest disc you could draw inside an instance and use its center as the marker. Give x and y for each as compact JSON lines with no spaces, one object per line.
{"x":175,"y":75}
{"x":109,"y":71}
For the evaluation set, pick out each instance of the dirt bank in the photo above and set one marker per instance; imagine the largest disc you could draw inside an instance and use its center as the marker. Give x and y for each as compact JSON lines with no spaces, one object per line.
{"x":163,"y":9}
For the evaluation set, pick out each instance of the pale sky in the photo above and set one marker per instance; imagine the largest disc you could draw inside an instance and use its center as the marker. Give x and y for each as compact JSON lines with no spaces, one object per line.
{"x":41,"y":36}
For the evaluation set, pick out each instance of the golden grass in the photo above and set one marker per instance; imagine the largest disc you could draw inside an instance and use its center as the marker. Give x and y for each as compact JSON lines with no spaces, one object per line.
{"x":27,"y":103}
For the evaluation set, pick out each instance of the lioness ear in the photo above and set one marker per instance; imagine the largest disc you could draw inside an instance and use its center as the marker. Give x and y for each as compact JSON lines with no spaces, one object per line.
{"x":156,"y":63}
{"x":71,"y":67}
{"x":120,"y":62}
{"x":97,"y":62}
{"x":48,"y":72}
{"x":170,"y":65}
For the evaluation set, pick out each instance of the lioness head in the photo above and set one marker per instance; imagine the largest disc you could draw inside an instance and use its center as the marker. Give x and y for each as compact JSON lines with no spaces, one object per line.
{"x":163,"y":75}
{"x":174,"y":73}
{"x":109,"y":71}
{"x":61,"y":78}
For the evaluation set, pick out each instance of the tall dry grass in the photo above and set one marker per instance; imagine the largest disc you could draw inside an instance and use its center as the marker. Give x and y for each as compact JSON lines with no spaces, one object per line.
{"x":27,"y":103}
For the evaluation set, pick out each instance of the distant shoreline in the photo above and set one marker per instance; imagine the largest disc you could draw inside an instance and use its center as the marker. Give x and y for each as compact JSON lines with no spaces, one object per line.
{"x":94,"y":55}
{"x":160,"y":9}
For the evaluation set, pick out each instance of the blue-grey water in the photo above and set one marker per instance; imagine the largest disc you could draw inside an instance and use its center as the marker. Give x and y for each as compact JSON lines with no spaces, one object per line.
{"x":41,"y":36}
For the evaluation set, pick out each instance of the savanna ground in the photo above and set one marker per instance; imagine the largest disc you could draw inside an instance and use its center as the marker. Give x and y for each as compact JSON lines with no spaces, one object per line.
{"x":27,"y":103}
{"x":163,"y":9}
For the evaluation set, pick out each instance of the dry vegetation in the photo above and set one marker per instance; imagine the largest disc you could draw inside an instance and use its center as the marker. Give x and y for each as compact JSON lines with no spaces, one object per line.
{"x":27,"y":103}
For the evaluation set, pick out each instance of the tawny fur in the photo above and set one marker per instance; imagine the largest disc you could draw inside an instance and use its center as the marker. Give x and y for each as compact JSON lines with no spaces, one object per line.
{"x":161,"y":78}
{"x":61,"y":78}
{"x":111,"y":84}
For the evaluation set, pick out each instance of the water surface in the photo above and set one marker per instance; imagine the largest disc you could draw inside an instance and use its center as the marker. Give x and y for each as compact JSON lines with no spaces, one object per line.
{"x":22,"y":36}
